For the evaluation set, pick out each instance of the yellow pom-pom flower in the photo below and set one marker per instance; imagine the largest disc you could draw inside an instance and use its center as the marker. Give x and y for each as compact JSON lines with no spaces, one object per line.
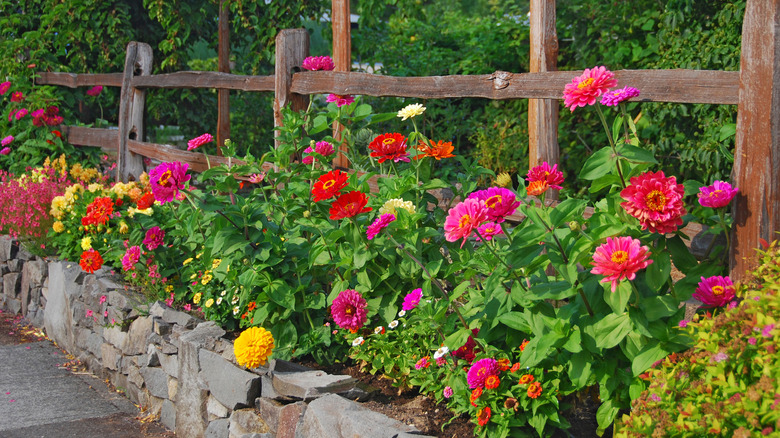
{"x":58,"y":227}
{"x":86,"y":243}
{"x":196,"y":298}
{"x":253,"y":347}
{"x":391,"y":205}
{"x":504,"y":180}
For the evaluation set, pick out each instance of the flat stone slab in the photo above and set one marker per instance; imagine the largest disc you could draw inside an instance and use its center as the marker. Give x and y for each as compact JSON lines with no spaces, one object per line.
{"x":308,"y":385}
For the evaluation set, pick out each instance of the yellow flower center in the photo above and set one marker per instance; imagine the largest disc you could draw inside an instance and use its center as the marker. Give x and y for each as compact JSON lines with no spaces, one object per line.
{"x":328,"y":184}
{"x":465,"y":221}
{"x":718,"y":290}
{"x":619,"y":256}
{"x":655,"y":200}
{"x":389,"y":140}
{"x":349,"y":310}
{"x":585,"y":83}
{"x":493,"y":200}
{"x":163,"y":181}
{"x":481,"y":372}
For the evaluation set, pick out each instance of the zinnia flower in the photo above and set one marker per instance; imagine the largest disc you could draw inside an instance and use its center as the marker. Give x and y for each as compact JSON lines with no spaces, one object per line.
{"x":4,"y":87}
{"x":463,"y":218}
{"x":314,"y":63}
{"x":86,"y":243}
{"x":441,"y":352}
{"x":480,"y":371}
{"x":253,"y":347}
{"x":534,"y":390}
{"x":483,"y":416}
{"x":412,"y":299}
{"x":614,"y":97}
{"x":503,"y":180}
{"x":99,"y":211}
{"x":619,"y":258}
{"x":146,"y":201}
{"x":131,"y":257}
{"x":348,"y":205}
{"x":715,"y":291}
{"x":438,"y":150}
{"x":91,"y":261}
{"x":410,"y":111}
{"x":257,"y":178}
{"x":21,"y":113}
{"x":390,"y":146}
{"x":500,"y":202}
{"x":349,"y":310}
{"x":390,"y":206}
{"x":340,"y":100}
{"x":447,"y":393}
{"x":475,"y":394}
{"x":466,"y":352}
{"x":199,"y":141}
{"x":95,"y":91}
{"x":492,"y":382}
{"x":7,"y":140}
{"x":378,"y":225}
{"x":358,"y":341}
{"x":422,"y":363}
{"x":526,"y":379}
{"x":329,"y":185}
{"x":17,"y":96}
{"x":584,"y":89}
{"x":167,"y":179}
{"x":154,"y":238}
{"x":657,"y":201}
{"x":717,"y":195}
{"x":488,"y":230}
{"x":5,"y":151}
{"x":550,"y":175}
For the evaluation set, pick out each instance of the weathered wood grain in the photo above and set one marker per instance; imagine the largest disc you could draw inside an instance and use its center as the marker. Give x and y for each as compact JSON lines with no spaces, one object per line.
{"x":686,"y":86}
{"x":292,"y":47}
{"x":206,"y":79}
{"x":138,"y":62}
{"x":93,"y":137}
{"x":342,"y":59}
{"x":73,"y":80}
{"x":223,"y":95}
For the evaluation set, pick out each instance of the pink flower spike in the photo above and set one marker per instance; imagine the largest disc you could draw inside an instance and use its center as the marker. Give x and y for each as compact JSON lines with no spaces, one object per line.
{"x":378,"y":225}
{"x":412,"y":299}
{"x":717,"y":195}
{"x":314,"y":63}
{"x":544,"y":172}
{"x":620,"y":258}
{"x":463,"y":218}
{"x":95,"y":91}
{"x":584,"y":89}
{"x":340,"y":100}
{"x":614,"y":97}
{"x":199,"y":141}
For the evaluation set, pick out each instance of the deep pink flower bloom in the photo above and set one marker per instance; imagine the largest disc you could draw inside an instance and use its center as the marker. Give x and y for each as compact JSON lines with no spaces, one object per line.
{"x":37,"y":113}
{"x":447,"y":392}
{"x":199,"y":141}
{"x":752,"y":340}
{"x":340,"y":100}
{"x":131,"y":257}
{"x":657,"y":201}
{"x":321,"y":147}
{"x":5,"y":151}
{"x":551,"y":175}
{"x":7,"y":140}
{"x":500,"y":202}
{"x":683,"y":323}
{"x":422,"y":363}
{"x":154,"y":238}
{"x":767,"y":330}
{"x":412,"y":299}
{"x":17,"y":96}
{"x":584,"y":89}
{"x":463,"y":218}
{"x":488,"y":230}
{"x":480,"y":371}
{"x":308,"y":159}
{"x":257,"y":178}
{"x":715,"y":291}
{"x":614,"y":97}
{"x":89,"y":313}
{"x":314,"y":63}
{"x":349,"y":310}
{"x":619,"y":258}
{"x":21,"y":113}
{"x":379,"y":224}
{"x":102,"y":299}
{"x":4,"y":87}
{"x":167,"y":179}
{"x":94,"y":91}
{"x":717,"y":195}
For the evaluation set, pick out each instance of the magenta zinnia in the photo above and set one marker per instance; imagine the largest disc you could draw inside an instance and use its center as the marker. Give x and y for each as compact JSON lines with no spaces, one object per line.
{"x":154,"y":238}
{"x":715,"y":291}
{"x":94,"y":91}
{"x":412,"y":299}
{"x":656,"y":200}
{"x":318,"y":63}
{"x":340,"y":100}
{"x":131,"y":257}
{"x":167,"y":179}
{"x":619,"y":258}
{"x":500,"y":202}
{"x":379,"y":224}
{"x":717,"y":195}
{"x":488,"y":230}
{"x":349,"y":310}
{"x":4,"y":87}
{"x":584,"y":89}
{"x":463,"y":218}
{"x":614,"y":97}
{"x":199,"y":141}
{"x":480,"y":371}
{"x":550,"y":175}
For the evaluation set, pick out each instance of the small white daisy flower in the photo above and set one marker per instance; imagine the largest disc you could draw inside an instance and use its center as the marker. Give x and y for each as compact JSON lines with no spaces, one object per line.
{"x":358,"y":341}
{"x":393,"y":324}
{"x":441,"y":352}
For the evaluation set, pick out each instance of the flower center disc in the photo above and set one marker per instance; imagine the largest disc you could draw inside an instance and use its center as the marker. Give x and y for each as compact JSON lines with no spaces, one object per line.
{"x":164,"y":178}
{"x":718,"y":290}
{"x":493,"y":200}
{"x":655,"y":200}
{"x":328,"y":184}
{"x":465,"y":221}
{"x":349,"y":310}
{"x":619,"y":256}
{"x":389,"y":140}
{"x":585,"y":83}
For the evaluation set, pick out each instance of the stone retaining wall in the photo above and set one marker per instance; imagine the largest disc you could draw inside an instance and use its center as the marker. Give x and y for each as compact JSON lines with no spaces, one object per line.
{"x":179,"y":367}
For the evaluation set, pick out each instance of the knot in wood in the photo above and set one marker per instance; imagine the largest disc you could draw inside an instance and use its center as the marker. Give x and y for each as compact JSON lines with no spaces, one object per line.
{"x":501,"y":79}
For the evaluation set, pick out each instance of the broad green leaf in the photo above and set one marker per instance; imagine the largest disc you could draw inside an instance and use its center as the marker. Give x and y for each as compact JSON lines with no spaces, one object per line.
{"x":457,"y":339}
{"x":658,"y":272}
{"x":611,"y":330}
{"x":652,"y":353}
{"x":574,"y":343}
{"x":681,"y":255}
{"x":606,"y":415}
{"x":558,"y":290}
{"x":658,"y":307}
{"x":599,"y":164}
{"x":636,"y":154}
{"x":617,"y":300}
{"x":580,"y":369}
{"x":566,"y":211}
{"x":515,"y":320}
{"x":320,"y":124}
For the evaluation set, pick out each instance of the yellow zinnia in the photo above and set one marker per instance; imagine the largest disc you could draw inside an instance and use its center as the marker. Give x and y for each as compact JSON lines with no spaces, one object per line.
{"x":196,"y":298}
{"x":86,"y":243}
{"x":390,"y":206}
{"x":206,"y":278}
{"x":253,"y":347}
{"x":209,"y":302}
{"x":58,"y":227}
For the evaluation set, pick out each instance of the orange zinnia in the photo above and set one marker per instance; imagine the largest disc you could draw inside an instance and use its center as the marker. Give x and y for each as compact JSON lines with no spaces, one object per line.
{"x":442,"y":149}
{"x":526,"y":378}
{"x":475,"y":395}
{"x":503,"y":364}
{"x":492,"y":382}
{"x":534,"y":390}
{"x":91,"y":261}
{"x":483,"y":416}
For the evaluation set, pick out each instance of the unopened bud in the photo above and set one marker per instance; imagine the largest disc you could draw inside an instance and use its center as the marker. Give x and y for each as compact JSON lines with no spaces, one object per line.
{"x":574,"y":226}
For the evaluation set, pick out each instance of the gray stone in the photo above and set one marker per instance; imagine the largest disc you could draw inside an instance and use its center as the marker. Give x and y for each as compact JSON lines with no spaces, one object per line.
{"x":169,"y":363}
{"x":218,"y":429}
{"x":57,"y":317}
{"x":110,"y":284}
{"x":14,"y":306}
{"x":204,"y":335}
{"x":36,"y":271}
{"x":116,"y":337}
{"x":232,"y":386}
{"x":157,"y":309}
{"x":267,"y":389}
{"x":137,"y":334}
{"x":333,"y":416}
{"x":161,"y":327}
{"x":94,"y":343}
{"x":246,"y":421}
{"x":151,"y":358}
{"x":283,"y":366}
{"x":215,"y":409}
{"x":180,"y":318}
{"x":92,"y":291}
{"x":81,"y":338}
{"x":134,"y":376}
{"x":23,"y":254}
{"x":156,"y":381}
{"x":173,"y":388}
{"x":12,"y":284}
{"x":110,"y":356}
{"x":308,"y":385}
{"x":282,"y":419}
{"x":153,"y":338}
{"x":7,"y":249}
{"x":168,"y":348}
{"x":3,"y":269}
{"x":168,"y":415}
{"x":15,"y":265}
{"x":191,"y":398}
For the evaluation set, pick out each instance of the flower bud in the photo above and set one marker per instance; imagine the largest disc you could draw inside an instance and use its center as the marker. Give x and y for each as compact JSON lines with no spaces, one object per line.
{"x":575,"y":226}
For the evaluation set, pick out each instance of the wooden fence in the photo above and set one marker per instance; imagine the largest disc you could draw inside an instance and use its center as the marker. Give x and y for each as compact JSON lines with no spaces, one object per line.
{"x":755,"y":89}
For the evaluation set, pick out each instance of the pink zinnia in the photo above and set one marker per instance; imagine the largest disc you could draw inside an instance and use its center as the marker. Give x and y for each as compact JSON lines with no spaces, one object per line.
{"x":314,"y":63}
{"x":657,"y":201}
{"x":500,"y":202}
{"x":94,"y":91}
{"x":447,"y":393}
{"x":21,"y":113}
{"x":167,"y":179}
{"x":463,"y":218}
{"x":614,"y":97}
{"x":257,"y":178}
{"x":488,"y":230}
{"x":349,"y":310}
{"x":551,"y":175}
{"x":715,"y":291}
{"x":199,"y":141}
{"x":422,"y":363}
{"x":7,"y":140}
{"x":322,"y":147}
{"x":17,"y":96}
{"x":340,"y":100}
{"x":480,"y":371}
{"x":412,"y":299}
{"x":5,"y":151}
{"x":4,"y":87}
{"x":131,"y":257}
{"x":717,"y":195}
{"x":584,"y":89}
{"x":154,"y":238}
{"x":379,"y":224}
{"x":619,"y":258}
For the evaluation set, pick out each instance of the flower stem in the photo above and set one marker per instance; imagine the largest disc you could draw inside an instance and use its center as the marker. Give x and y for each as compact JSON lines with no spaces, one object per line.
{"x":722,"y":217}
{"x":611,"y":144}
{"x":585,"y":300}
{"x":506,"y":232}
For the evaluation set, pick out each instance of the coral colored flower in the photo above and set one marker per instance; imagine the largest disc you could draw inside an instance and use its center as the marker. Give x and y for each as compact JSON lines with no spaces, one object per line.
{"x":492,"y":382}
{"x":390,"y":146}
{"x":146,"y":201}
{"x":500,"y":202}
{"x":619,"y":258}
{"x":480,"y":371}
{"x":524,"y":344}
{"x":515,"y":368}
{"x":463,"y":218}
{"x":656,"y":200}
{"x":475,"y":394}
{"x":391,"y":205}
{"x":550,"y":175}
{"x":526,"y":379}
{"x":257,"y":178}
{"x":349,"y":310}
{"x":199,"y":141}
{"x":422,"y":363}
{"x":483,"y":416}
{"x":614,"y":97}
{"x":7,"y":140}
{"x":715,"y":291}
{"x":584,"y":89}
{"x":99,"y":211}
{"x":17,"y":96}
{"x":4,"y":87}
{"x":488,"y":230}
{"x":329,"y":185}
{"x":534,"y":389}
{"x":95,"y":91}
{"x":536,"y":188}
{"x":348,"y":205}
{"x":314,"y":63}
{"x":504,"y":364}
{"x":91,"y":261}
{"x":167,"y":180}
{"x":253,"y":347}
{"x":154,"y":237}
{"x":717,"y":195}
{"x":340,"y":100}
{"x":378,"y":225}
{"x":131,"y":257}
{"x":410,"y":111}
{"x":412,"y":299}
{"x":442,"y":149}
{"x":447,"y":393}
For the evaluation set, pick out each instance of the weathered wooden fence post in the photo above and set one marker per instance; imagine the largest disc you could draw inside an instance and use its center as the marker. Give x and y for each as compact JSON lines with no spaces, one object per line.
{"x":342,"y":58}
{"x":757,"y":157}
{"x":138,"y":62}
{"x":223,"y":95}
{"x":292,"y":47}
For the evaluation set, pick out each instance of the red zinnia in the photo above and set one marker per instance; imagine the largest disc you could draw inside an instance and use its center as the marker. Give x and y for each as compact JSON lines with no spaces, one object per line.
{"x":657,"y":201}
{"x":348,"y":205}
{"x":475,"y":394}
{"x":534,"y":390}
{"x":99,"y":211}
{"x":492,"y":382}
{"x":146,"y":201}
{"x":329,"y":185}
{"x":391,"y":146}
{"x":483,"y":416}
{"x":91,"y":261}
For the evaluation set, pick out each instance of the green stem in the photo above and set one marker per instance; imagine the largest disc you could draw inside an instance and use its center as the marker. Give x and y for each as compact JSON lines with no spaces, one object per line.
{"x":636,"y":292}
{"x":624,"y":112}
{"x":722,"y":217}
{"x":506,"y":232}
{"x":585,"y":300}
{"x":611,"y":144}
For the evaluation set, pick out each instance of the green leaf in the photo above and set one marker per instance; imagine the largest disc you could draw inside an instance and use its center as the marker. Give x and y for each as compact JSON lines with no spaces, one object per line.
{"x":652,"y":353}
{"x":558,"y":290}
{"x":606,"y":415}
{"x":537,"y":350}
{"x":285,"y":339}
{"x":658,"y":307}
{"x":566,"y":211}
{"x":574,"y":342}
{"x":580,"y":369}
{"x":515,"y":320}
{"x":376,"y":118}
{"x":728,"y":130}
{"x":611,"y":330}
{"x":636,"y":154}
{"x":681,"y":255}
{"x":320,"y":124}
{"x":617,"y":300}
{"x":658,"y":272}
{"x":599,"y":164}
{"x":457,"y":339}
